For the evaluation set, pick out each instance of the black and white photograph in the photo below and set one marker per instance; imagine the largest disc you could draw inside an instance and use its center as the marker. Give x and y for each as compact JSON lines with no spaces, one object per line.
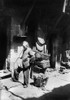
{"x":34,"y":49}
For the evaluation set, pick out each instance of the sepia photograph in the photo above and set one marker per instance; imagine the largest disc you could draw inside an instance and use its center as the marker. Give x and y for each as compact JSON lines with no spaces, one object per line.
{"x":34,"y":49}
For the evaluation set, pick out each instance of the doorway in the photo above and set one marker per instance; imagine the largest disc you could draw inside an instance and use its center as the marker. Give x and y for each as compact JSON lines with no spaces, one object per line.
{"x":3,"y":43}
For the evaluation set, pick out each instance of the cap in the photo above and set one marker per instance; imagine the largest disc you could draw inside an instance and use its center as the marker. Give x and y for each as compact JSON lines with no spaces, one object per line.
{"x":25,"y":44}
{"x":41,"y":40}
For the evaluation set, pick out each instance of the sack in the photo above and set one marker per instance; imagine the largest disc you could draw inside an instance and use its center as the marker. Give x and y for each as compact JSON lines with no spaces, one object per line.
{"x":40,"y":81}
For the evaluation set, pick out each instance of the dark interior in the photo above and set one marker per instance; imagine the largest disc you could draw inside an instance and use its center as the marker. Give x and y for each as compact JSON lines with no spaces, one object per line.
{"x":32,"y":13}
{"x":3,"y":42}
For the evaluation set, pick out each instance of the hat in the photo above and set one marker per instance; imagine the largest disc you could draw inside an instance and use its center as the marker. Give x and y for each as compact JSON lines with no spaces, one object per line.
{"x":25,"y":44}
{"x":41,"y":40}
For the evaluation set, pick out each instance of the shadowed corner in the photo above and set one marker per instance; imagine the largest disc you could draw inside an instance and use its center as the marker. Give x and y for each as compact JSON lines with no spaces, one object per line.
{"x":61,"y":93}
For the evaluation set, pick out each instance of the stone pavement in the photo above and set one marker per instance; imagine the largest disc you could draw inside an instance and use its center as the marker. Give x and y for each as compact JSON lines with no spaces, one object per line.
{"x":10,"y":90}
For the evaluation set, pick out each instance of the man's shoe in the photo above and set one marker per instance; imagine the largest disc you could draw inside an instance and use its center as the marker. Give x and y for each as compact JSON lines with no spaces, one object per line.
{"x":25,"y":85}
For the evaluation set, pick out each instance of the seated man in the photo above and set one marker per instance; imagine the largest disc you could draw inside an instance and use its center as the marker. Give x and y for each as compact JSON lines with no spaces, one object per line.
{"x":41,"y":55}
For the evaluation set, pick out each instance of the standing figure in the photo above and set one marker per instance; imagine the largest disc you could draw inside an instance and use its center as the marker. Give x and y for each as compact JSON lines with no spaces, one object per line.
{"x":27,"y":54}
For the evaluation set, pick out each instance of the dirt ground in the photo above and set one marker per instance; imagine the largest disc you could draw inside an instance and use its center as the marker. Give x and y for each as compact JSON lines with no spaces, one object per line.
{"x":57,"y":88}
